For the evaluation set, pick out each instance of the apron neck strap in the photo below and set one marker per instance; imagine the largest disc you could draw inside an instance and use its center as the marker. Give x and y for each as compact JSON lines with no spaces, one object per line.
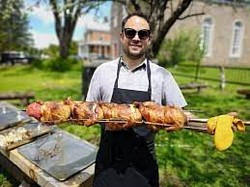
{"x":148,"y":73}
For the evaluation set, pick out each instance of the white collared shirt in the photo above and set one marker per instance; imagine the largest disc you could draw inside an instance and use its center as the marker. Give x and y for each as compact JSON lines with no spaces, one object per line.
{"x":165,"y":90}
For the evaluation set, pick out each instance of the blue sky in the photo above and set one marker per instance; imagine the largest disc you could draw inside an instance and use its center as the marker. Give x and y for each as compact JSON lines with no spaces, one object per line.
{"x":41,"y":23}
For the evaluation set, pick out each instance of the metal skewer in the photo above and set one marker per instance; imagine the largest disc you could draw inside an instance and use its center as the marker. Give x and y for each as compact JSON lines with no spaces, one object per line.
{"x":195,"y":124}
{"x":203,"y":120}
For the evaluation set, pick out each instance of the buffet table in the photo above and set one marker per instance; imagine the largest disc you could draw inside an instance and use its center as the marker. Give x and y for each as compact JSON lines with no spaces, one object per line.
{"x":51,"y":158}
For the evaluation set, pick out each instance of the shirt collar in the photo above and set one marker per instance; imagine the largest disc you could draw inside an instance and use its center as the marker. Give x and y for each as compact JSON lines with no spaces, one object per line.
{"x":142,"y":65}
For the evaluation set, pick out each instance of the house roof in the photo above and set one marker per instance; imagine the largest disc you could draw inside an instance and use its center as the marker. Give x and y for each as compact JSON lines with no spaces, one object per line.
{"x":97,"y":26}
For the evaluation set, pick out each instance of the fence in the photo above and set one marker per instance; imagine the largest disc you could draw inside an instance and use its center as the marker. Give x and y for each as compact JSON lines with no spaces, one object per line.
{"x":229,"y":75}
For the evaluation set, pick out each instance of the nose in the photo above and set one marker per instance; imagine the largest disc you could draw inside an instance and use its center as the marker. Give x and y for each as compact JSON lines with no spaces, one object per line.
{"x":136,"y":37}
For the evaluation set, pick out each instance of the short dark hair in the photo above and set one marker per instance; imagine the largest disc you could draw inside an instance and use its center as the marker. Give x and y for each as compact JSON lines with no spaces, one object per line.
{"x":136,"y":13}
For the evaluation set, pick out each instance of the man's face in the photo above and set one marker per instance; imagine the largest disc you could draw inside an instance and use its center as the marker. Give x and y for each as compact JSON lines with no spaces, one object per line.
{"x":135,"y":47}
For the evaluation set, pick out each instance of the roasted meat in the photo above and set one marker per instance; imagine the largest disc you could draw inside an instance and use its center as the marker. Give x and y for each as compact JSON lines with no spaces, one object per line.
{"x":127,"y":112}
{"x":49,"y":112}
{"x":151,"y":111}
{"x":55,"y":112}
{"x":87,"y":113}
{"x":34,"y":110}
{"x":155,"y":113}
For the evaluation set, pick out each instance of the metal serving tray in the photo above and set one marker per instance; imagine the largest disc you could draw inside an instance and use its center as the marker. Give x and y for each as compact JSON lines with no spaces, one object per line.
{"x":34,"y":130}
{"x":13,"y":118}
{"x":60,"y":154}
{"x":6,"y":109}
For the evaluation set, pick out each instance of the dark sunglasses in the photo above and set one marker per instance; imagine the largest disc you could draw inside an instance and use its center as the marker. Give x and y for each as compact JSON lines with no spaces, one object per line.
{"x":142,"y":34}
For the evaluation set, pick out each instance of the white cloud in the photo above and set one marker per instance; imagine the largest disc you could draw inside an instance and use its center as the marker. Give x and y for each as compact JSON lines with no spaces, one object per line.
{"x":43,"y":40}
{"x":90,"y":21}
{"x":42,"y":13}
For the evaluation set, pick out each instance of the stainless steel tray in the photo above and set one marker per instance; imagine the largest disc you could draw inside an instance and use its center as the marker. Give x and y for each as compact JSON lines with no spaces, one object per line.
{"x":6,"y":109}
{"x":60,"y":154}
{"x":33,"y":130}
{"x":13,"y":118}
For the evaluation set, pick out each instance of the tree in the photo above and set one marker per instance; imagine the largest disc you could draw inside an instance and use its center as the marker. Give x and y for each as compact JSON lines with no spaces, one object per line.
{"x":14,"y":33}
{"x":162,"y":16}
{"x":66,"y":14}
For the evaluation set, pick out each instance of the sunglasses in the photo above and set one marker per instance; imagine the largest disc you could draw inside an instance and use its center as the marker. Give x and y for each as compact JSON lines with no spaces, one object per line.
{"x":142,"y":34}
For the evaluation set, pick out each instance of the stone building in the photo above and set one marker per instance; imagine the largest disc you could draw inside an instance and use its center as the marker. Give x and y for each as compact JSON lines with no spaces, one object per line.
{"x":224,"y":30}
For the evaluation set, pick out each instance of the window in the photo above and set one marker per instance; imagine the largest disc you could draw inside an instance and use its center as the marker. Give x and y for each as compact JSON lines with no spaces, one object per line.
{"x":237,"y":38}
{"x":207,"y":33}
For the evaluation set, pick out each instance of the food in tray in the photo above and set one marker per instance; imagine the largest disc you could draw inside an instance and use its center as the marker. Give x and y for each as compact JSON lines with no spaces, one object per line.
{"x":14,"y":136}
{"x":89,"y":113}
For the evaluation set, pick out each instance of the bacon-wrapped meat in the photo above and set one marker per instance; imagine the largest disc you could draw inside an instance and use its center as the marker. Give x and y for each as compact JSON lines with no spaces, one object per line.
{"x":90,"y":111}
{"x":155,"y":113}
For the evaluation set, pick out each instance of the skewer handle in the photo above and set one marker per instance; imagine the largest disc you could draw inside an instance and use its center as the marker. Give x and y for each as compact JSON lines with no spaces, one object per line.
{"x":203,"y":120}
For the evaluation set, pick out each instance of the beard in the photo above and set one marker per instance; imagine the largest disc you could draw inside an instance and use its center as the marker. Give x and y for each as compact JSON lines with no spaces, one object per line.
{"x":133,"y":53}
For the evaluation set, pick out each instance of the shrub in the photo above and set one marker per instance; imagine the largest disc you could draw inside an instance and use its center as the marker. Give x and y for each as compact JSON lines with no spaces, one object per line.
{"x":184,"y":47}
{"x":58,"y":64}
{"x":37,"y":63}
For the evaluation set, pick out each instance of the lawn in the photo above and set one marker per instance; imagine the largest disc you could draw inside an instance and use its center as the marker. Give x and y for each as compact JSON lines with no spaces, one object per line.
{"x":186,"y":158}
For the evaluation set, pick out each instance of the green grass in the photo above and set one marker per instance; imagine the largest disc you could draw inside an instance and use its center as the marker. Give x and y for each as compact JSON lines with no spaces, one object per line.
{"x":186,"y":158}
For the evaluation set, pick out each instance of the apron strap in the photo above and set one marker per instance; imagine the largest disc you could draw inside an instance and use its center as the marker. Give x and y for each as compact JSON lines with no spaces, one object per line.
{"x":148,"y":73}
{"x":118,"y":72}
{"x":149,"y":77}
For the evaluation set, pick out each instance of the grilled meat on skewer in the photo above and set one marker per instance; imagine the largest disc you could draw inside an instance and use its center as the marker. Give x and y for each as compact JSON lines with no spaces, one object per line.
{"x":125,"y":112}
{"x":155,"y":113}
{"x":50,"y":112}
{"x":90,"y":111}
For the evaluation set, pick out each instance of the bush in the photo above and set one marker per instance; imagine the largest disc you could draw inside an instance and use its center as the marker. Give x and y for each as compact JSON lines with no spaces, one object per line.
{"x":37,"y":63}
{"x":55,"y":64}
{"x":184,"y":47}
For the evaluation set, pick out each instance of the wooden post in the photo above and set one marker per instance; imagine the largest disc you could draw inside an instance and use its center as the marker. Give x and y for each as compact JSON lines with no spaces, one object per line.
{"x":222,"y":78}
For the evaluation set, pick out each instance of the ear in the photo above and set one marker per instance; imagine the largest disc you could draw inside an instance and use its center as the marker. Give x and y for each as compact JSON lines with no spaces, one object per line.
{"x":121,"y":36}
{"x":149,"y":39}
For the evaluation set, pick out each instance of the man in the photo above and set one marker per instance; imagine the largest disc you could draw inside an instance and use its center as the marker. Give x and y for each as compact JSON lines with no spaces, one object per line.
{"x":126,"y":157}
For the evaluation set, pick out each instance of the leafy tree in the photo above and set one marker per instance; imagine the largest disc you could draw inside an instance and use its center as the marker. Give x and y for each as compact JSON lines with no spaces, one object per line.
{"x":162,"y":15}
{"x":73,"y":48}
{"x":14,"y":33}
{"x":66,"y":14}
{"x":52,"y":50}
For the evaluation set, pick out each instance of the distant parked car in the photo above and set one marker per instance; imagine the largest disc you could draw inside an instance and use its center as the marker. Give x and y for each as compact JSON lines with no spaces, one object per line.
{"x":13,"y":57}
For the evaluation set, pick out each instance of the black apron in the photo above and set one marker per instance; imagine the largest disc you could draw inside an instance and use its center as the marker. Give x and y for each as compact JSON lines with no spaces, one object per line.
{"x":126,"y":159}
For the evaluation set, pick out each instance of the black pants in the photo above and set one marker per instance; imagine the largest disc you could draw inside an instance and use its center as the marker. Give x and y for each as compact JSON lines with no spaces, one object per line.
{"x":129,"y":178}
